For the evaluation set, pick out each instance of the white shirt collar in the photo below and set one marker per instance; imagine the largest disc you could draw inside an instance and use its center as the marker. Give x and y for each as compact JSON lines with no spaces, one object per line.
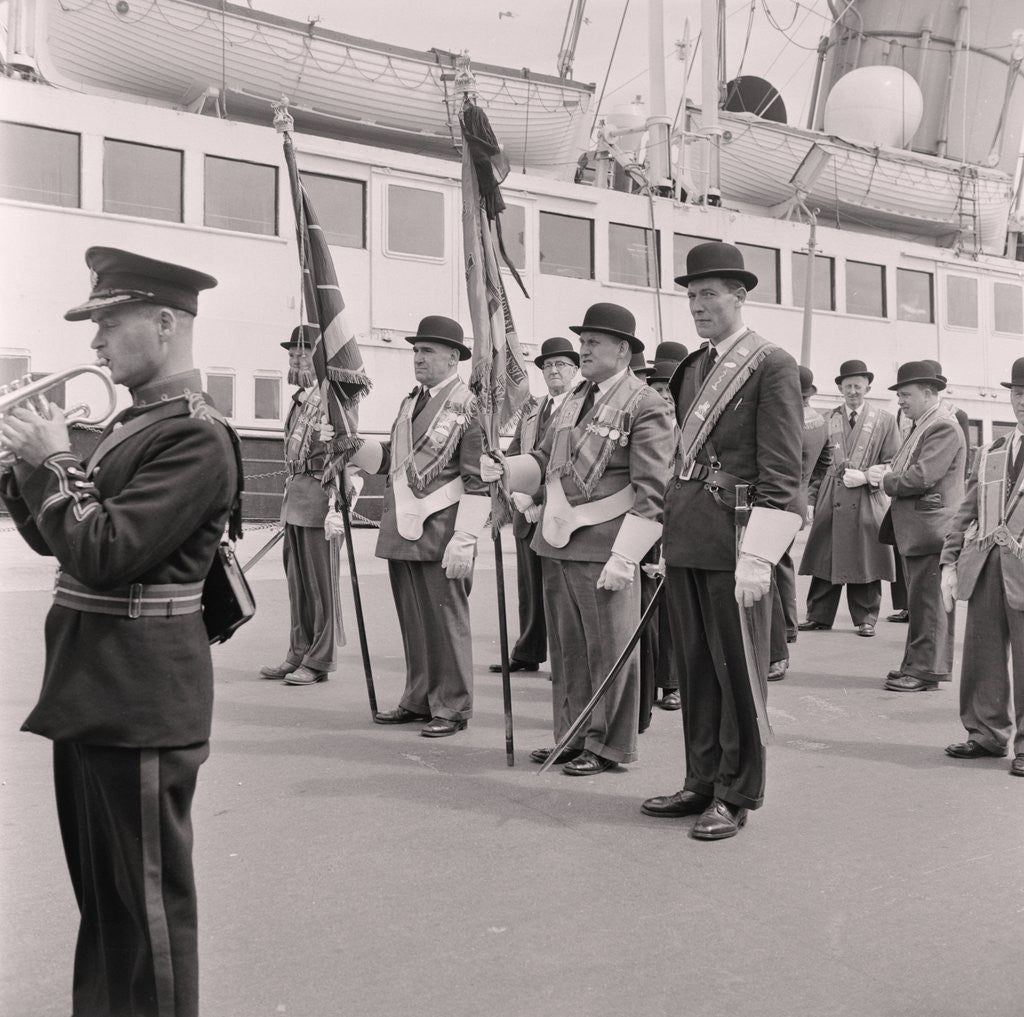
{"x":440,"y":385}
{"x":603,"y":386}
{"x":723,"y":347}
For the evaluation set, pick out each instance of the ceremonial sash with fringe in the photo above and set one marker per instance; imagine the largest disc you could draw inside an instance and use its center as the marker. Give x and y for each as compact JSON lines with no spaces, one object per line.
{"x":861,"y":436}
{"x":425,"y":458}
{"x":305,"y":427}
{"x":998,"y":523}
{"x":928,"y":420}
{"x":729,"y":374}
{"x":582,"y":453}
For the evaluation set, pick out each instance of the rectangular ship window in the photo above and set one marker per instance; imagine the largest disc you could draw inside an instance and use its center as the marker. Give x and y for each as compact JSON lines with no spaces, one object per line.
{"x":915,"y":299}
{"x":39,"y":165}
{"x":682,"y":244}
{"x":764,"y":263}
{"x":340,"y":206}
{"x":633,"y":255}
{"x":513,"y":235}
{"x":221,"y":389}
{"x":1009,"y":308}
{"x":824,"y":294}
{"x":142,"y":180}
{"x":240,"y":196}
{"x":566,"y":245}
{"x":267,"y":394}
{"x":415,"y":221}
{"x":865,"y":289}
{"x":961,"y":301}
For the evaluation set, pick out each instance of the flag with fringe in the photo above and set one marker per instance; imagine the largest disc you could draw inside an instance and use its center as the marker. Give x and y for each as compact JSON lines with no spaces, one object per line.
{"x":498,"y":376}
{"x":337,"y":361}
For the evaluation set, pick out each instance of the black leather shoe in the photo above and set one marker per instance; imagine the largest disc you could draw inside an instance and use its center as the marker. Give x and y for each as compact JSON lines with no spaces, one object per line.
{"x":813,"y":626}
{"x":970,"y":749}
{"x":399,"y":715}
{"x":908,"y":683}
{"x":1017,"y":766}
{"x":441,"y":727}
{"x":671,"y":700}
{"x":790,"y":637}
{"x":777,"y":670}
{"x":565,"y":756}
{"x":682,"y":803}
{"x":586,"y":764}
{"x":895,"y":673}
{"x":899,"y":616}
{"x":719,"y":821}
{"x":514,"y":665}
{"x":865,"y":629}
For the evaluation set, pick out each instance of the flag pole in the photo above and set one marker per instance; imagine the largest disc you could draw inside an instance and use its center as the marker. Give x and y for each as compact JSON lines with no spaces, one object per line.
{"x":506,"y":677}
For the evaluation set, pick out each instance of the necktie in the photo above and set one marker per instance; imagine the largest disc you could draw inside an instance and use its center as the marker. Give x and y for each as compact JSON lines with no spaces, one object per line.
{"x":588,"y":402}
{"x":709,"y":362}
{"x":421,"y":401}
{"x":853,"y":418}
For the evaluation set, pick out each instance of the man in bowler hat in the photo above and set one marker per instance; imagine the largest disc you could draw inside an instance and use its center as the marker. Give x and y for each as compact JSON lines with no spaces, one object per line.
{"x":127,"y":694}
{"x":739,"y":412}
{"x":926,"y":483}
{"x":842,"y":547}
{"x":983,"y":563}
{"x":603,"y":464}
{"x":315,"y":622}
{"x":434,"y":508}
{"x":558,"y":362}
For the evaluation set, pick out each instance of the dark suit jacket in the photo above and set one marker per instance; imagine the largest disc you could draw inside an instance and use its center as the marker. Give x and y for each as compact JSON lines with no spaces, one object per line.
{"x":927,"y":493}
{"x":757,"y":438}
{"x":968,"y":559}
{"x":644,"y":463}
{"x":439,"y":527}
{"x":520,"y":527}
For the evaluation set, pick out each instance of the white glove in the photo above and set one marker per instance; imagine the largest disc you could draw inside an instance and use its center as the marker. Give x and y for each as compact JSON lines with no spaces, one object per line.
{"x":655,"y":571}
{"x":617,"y":574}
{"x":353,"y":486}
{"x":334,"y":525}
{"x":522,"y":501}
{"x":948,"y":587}
{"x":491,"y":471}
{"x":753,"y":579}
{"x":458,"y":555}
{"x":810,"y":514}
{"x":532,"y":514}
{"x":854,"y":478}
{"x":326,"y":430}
{"x":876,"y":472}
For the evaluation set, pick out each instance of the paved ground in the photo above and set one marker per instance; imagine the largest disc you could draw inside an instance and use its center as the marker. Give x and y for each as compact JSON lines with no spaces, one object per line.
{"x":352,"y":870}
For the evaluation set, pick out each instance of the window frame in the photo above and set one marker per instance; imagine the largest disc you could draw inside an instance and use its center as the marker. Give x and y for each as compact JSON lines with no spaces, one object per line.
{"x":268,"y":376}
{"x":831,"y":260}
{"x":1009,"y":284}
{"x":223,"y":372}
{"x":77,"y":135}
{"x":364,"y":191}
{"x":430,"y":259}
{"x":930,"y":276}
{"x":946,"y":322}
{"x":883,"y":278}
{"x":646,"y":231}
{"x":752,"y":295}
{"x":276,"y":190}
{"x":155,"y":148}
{"x":592,"y":251}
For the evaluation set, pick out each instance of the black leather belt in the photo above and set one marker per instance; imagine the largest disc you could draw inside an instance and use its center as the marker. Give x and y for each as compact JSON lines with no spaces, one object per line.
{"x":714,"y":478}
{"x":314,"y":464}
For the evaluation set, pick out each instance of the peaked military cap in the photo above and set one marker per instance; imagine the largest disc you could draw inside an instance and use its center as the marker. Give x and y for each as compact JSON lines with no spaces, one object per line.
{"x":120,"y":277}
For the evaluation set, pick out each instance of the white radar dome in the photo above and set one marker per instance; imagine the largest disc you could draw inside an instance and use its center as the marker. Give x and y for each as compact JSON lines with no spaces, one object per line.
{"x":875,"y":105}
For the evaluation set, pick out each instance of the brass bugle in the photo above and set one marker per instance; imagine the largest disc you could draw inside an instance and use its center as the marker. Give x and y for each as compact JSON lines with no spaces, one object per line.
{"x":20,"y":392}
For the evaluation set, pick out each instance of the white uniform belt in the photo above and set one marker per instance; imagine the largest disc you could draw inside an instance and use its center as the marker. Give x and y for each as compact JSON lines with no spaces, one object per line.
{"x":560,"y":519}
{"x":410,"y":511}
{"x":139,"y":600}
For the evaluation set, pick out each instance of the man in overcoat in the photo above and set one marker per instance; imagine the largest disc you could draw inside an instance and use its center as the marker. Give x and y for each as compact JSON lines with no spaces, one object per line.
{"x":926,"y":484}
{"x":559,"y":362}
{"x":843,"y":547}
{"x":983,"y":563}
{"x":740,"y":417}
{"x":434,"y":508}
{"x":127,"y":692}
{"x":603,"y":464}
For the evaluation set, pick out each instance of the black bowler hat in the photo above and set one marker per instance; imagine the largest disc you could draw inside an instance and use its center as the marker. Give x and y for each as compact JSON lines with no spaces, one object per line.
{"x":639,"y":366}
{"x":556,"y":346}
{"x":671,"y":351}
{"x":807,"y":386}
{"x":120,"y":277}
{"x":716,"y":259}
{"x":938,"y":368}
{"x":304,"y":336}
{"x":1016,"y":375}
{"x":663,"y":370}
{"x":613,"y":320}
{"x":435,"y":328}
{"x":919,"y":372}
{"x":849,"y":368}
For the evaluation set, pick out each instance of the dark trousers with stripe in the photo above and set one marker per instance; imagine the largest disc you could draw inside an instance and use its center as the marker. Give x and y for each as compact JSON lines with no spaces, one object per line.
{"x":315,"y":629}
{"x":125,"y":819}
{"x":864,"y":600}
{"x":724,"y":754}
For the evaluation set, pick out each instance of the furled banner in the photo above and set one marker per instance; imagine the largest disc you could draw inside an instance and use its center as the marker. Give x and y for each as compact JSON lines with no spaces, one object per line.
{"x":498,"y":376}
{"x":336,"y":358}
